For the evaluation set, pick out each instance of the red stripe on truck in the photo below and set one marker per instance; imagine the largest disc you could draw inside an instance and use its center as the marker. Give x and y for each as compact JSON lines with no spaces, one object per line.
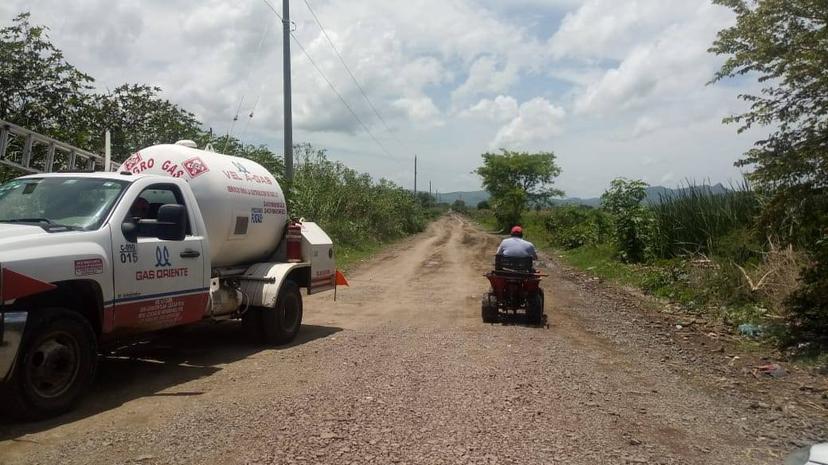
{"x":16,"y":285}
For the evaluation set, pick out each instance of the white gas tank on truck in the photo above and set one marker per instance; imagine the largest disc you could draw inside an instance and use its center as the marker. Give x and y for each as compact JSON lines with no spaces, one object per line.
{"x":178,"y":236}
{"x":243,"y":206}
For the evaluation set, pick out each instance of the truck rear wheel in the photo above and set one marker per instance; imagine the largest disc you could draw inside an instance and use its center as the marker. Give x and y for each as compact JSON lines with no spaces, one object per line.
{"x":281,"y":323}
{"x":55,"y":366}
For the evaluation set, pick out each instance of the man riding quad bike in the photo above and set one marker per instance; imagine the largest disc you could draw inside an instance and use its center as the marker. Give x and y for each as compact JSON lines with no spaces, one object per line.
{"x":515,"y":283}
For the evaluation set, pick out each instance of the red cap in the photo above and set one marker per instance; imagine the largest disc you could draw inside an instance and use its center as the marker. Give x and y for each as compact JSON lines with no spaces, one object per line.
{"x":517,"y":230}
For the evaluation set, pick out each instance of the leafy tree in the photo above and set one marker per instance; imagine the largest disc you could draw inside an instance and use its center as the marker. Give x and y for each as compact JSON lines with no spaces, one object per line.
{"x":40,"y":90}
{"x":426,"y":200}
{"x":631,"y":219}
{"x":516,"y":179}
{"x":137,"y":117}
{"x":459,"y":206}
{"x":784,"y":43}
{"x":483,"y":205}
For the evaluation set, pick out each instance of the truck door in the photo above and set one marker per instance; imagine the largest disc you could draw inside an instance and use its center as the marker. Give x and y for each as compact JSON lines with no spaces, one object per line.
{"x":158,"y":283}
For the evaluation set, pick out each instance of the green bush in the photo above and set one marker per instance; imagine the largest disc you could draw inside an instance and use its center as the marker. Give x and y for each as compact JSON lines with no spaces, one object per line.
{"x":807,"y":322}
{"x":632,"y":221}
{"x":572,"y":226}
{"x":351,"y":207}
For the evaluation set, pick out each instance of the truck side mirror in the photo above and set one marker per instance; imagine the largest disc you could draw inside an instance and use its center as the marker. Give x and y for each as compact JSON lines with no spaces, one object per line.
{"x":172,"y":222}
{"x":129,"y":228}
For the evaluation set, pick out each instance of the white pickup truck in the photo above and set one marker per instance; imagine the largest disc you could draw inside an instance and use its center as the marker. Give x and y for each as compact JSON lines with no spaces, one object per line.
{"x":178,"y":236}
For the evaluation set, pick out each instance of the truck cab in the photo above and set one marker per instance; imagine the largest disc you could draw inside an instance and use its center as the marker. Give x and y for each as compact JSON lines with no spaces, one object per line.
{"x":87,"y":259}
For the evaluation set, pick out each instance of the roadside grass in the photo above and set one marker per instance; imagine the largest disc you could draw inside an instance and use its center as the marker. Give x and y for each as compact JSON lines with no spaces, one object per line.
{"x":600,"y":261}
{"x":484,"y":218}
{"x":348,"y":256}
{"x":698,"y":288}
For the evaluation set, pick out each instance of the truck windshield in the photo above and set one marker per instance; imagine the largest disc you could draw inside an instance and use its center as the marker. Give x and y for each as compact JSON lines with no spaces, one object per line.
{"x":60,"y":203}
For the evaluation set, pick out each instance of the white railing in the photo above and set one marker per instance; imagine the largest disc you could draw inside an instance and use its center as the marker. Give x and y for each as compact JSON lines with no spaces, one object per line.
{"x":35,"y":153}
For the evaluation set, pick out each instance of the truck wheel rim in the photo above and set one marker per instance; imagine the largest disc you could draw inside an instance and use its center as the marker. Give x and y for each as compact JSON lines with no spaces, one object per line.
{"x":53,"y":365}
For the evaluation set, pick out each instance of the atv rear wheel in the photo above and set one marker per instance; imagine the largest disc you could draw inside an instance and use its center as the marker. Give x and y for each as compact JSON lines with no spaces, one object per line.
{"x":488,"y":309}
{"x":534,"y":308}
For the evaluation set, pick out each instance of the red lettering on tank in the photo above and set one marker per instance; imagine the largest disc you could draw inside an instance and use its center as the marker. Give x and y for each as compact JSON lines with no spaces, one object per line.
{"x":137,"y":166}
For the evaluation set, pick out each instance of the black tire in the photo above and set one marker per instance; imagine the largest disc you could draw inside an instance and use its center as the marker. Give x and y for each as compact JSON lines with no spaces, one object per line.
{"x":488,"y":309}
{"x":534,"y":308}
{"x":281,"y":323}
{"x":55,"y":366}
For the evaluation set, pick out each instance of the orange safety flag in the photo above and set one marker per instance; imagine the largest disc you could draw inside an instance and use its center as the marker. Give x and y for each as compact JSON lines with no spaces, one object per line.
{"x":340,"y":279}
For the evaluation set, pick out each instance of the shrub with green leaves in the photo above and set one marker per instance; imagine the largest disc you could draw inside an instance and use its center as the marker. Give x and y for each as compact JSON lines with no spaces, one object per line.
{"x":350,"y":206}
{"x":632,"y":221}
{"x":572,"y":226}
{"x":808,"y":318}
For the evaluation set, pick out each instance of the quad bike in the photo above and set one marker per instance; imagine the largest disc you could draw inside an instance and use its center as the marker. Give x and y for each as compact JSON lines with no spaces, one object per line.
{"x":515,"y":291}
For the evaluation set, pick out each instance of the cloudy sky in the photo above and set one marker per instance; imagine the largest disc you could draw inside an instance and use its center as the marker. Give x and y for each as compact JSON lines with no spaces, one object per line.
{"x":614,"y":88}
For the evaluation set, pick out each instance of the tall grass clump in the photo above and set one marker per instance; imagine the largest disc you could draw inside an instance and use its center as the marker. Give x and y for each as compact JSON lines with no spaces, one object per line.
{"x":351,"y":207}
{"x":696,"y":220}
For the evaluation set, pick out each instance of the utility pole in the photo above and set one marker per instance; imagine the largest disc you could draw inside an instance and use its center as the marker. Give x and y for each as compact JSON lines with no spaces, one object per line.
{"x":287,"y":97}
{"x":429,"y":188}
{"x":415,"y":174}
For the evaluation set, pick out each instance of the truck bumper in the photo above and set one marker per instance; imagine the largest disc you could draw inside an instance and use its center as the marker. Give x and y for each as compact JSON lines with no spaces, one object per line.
{"x":12,"y":325}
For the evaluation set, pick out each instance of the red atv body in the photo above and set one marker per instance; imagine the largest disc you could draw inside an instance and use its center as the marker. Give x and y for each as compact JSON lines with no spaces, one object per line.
{"x":515,"y":291}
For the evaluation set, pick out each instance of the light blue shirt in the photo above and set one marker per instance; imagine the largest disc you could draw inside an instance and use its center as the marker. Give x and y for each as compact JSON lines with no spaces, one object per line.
{"x":516,"y":247}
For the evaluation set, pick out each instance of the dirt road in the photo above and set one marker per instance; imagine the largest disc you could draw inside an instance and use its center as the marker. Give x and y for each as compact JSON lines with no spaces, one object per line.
{"x":401,"y":370}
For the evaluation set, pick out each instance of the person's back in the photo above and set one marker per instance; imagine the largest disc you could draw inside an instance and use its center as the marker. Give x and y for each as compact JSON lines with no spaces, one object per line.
{"x":516,"y":246}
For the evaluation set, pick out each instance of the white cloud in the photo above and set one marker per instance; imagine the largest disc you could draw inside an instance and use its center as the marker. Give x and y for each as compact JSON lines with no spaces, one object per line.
{"x":486,"y":76}
{"x":501,"y":108}
{"x":626,"y":79}
{"x":420,"y":110}
{"x":608,"y":29}
{"x":668,"y":67}
{"x":535,"y":124}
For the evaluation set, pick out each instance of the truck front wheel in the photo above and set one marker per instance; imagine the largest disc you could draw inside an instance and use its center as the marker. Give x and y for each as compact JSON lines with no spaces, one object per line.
{"x":55,"y":366}
{"x":281,"y":323}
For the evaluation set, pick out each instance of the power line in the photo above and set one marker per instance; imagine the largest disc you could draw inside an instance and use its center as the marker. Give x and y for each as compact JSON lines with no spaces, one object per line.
{"x":347,"y":68}
{"x":330,"y":84}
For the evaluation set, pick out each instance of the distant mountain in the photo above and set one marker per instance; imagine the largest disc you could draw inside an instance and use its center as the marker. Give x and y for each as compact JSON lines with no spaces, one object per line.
{"x":471,"y":198}
{"x":654,"y":194}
